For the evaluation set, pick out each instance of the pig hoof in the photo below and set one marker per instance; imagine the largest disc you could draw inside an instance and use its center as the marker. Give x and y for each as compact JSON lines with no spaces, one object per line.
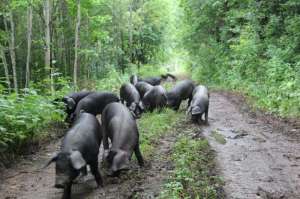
{"x":99,"y":186}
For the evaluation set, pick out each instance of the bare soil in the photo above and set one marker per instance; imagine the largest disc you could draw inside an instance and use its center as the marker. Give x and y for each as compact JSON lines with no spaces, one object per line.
{"x":258,"y":157}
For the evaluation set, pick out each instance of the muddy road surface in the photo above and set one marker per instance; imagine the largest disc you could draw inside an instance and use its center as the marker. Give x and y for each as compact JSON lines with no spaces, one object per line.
{"x":256,"y":158}
{"x":28,"y":181}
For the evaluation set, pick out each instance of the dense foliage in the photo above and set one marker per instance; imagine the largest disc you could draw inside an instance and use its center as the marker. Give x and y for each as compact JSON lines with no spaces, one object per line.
{"x":26,"y":116}
{"x":24,"y":119}
{"x":88,"y":37}
{"x":248,"y":45}
{"x":49,"y":48}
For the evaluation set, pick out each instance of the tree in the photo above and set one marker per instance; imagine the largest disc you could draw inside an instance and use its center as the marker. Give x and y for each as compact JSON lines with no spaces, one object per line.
{"x":48,"y":64}
{"x":4,"y":62}
{"x":29,"y":41}
{"x":12,"y":48}
{"x":77,"y":40}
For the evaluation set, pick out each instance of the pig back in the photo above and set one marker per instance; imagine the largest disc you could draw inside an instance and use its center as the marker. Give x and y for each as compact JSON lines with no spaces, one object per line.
{"x":200,"y":98}
{"x":120,"y":126}
{"x":143,"y":87}
{"x":95,"y":102}
{"x":85,"y":136}
{"x":183,"y":89}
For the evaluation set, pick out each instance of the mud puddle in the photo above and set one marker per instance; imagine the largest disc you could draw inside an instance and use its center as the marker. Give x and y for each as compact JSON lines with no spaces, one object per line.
{"x":255,"y":160}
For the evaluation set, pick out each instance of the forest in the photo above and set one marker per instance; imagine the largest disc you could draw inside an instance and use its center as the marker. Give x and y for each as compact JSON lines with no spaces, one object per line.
{"x":247,"y":49}
{"x":49,"y":48}
{"x":249,"y":45}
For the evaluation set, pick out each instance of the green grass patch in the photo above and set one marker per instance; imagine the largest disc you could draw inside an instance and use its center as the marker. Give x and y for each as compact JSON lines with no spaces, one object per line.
{"x":194,"y":175}
{"x":154,"y":125}
{"x":218,"y":137}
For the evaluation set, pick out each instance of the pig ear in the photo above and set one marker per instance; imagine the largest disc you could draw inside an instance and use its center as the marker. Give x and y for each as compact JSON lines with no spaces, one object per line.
{"x":132,"y":107}
{"x":77,"y":160}
{"x":71,"y":103}
{"x":141,"y":105}
{"x":53,"y":159}
{"x":133,"y":114}
{"x":196,"y":110}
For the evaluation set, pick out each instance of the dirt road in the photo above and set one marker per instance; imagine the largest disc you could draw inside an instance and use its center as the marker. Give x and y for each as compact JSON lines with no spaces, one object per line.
{"x":255,"y":158}
{"x":27,"y":180}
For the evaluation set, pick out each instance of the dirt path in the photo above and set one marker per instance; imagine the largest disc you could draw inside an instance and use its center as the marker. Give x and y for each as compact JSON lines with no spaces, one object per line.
{"x":26,"y":180}
{"x":256,"y":161}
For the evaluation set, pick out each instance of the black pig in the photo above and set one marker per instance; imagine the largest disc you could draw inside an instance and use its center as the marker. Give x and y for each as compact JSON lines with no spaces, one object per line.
{"x":181,"y":91}
{"x":130,"y":95}
{"x":199,"y":104}
{"x":120,"y":126}
{"x":154,"y":98}
{"x":143,"y":87}
{"x":80,"y":147}
{"x":95,"y":103}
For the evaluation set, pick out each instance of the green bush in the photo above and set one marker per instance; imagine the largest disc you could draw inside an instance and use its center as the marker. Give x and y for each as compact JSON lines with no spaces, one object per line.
{"x":24,"y":117}
{"x":248,"y":46}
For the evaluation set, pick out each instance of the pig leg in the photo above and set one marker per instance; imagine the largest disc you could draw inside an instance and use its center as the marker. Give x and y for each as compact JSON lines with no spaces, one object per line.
{"x":138,"y":155}
{"x":105,"y":140}
{"x":189,"y":102}
{"x":177,"y":106}
{"x":206,"y":116}
{"x":199,"y":119}
{"x":105,"y":143}
{"x":84,"y":171}
{"x":67,"y":192}
{"x":97,"y":175}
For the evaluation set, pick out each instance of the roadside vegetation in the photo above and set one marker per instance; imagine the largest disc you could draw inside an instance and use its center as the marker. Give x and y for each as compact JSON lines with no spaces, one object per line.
{"x":24,"y":118}
{"x":153,"y":126}
{"x":27,"y":116}
{"x":247,"y":46}
{"x":53,"y":47}
{"x":194,"y":174}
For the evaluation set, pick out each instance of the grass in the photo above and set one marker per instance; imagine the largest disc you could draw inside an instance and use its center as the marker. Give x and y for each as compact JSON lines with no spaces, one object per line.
{"x":194,"y":175}
{"x":154,"y":125}
{"x":218,"y":137}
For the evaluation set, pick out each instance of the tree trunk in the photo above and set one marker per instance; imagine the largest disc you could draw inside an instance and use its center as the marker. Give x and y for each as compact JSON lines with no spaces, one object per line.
{"x":4,"y":62}
{"x":67,"y":29}
{"x":47,"y":12}
{"x":12,"y":50}
{"x":29,"y":41}
{"x":122,"y":61}
{"x":130,"y":31}
{"x":77,"y":30}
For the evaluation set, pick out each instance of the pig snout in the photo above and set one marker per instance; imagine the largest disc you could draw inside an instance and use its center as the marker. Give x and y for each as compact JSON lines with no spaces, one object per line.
{"x":59,"y":186}
{"x":113,"y":173}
